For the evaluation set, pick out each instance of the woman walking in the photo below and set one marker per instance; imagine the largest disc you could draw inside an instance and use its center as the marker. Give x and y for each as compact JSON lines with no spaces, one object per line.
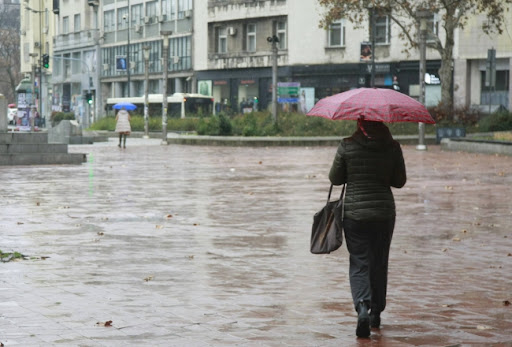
{"x":370,"y":162}
{"x":123,"y":125}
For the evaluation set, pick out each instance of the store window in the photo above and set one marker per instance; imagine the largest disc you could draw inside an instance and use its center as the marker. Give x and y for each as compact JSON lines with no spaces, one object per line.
{"x":337,"y":33}
{"x":65,"y":25}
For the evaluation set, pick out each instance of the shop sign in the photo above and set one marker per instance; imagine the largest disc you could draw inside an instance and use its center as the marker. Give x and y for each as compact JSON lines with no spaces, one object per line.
{"x":220,"y":83}
{"x":247,"y":82}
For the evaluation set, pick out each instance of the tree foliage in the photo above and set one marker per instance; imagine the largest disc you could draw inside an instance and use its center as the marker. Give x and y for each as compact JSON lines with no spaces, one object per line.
{"x":10,"y":67}
{"x":452,"y":14}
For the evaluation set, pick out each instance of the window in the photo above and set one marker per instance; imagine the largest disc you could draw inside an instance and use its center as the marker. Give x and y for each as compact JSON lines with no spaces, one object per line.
{"x":337,"y":34}
{"x":281,"y":35}
{"x":183,"y":6}
{"x":151,"y":11}
{"x":137,"y":14}
{"x":222,"y":40}
{"x":251,"y":37}
{"x":76,"y":64}
{"x":382,"y":30}
{"x":65,"y":25}
{"x":122,"y":18}
{"x":109,"y":24}
{"x":433,"y":27}
{"x":76,"y":23}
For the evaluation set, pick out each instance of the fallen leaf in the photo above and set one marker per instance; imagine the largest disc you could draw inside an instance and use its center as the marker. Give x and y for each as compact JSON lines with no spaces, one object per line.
{"x":464,"y":231}
{"x":501,"y":173}
{"x":456,"y":239}
{"x":447,"y":305}
{"x":38,"y":203}
{"x":196,"y":224}
{"x":509,"y":255}
{"x":445,"y":249}
{"x":159,"y":226}
{"x":101,"y":233}
{"x":506,"y":303}
{"x":448,"y":188}
{"x":149,"y":278}
{"x":169,"y":216}
{"x":19,"y":223}
{"x":483,"y":327}
{"x":191,"y":257}
{"x":260,"y":162}
{"x":106,"y":324}
{"x":44,"y":257}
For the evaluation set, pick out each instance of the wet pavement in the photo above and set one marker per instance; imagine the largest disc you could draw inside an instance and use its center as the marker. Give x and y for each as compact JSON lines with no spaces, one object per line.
{"x":208,"y":246}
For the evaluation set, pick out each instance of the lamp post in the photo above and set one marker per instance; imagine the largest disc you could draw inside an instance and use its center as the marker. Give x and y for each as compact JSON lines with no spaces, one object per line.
{"x":146,"y":88}
{"x":274,"y":40}
{"x":127,"y":19}
{"x":165,"y":53}
{"x":422,"y":15}
{"x":33,"y":89}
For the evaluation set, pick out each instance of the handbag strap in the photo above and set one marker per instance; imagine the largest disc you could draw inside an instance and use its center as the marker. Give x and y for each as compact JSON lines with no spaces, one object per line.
{"x":330,"y":191}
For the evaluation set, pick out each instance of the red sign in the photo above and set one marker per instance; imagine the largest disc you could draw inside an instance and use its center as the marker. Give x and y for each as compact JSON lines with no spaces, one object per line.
{"x":220,"y":83}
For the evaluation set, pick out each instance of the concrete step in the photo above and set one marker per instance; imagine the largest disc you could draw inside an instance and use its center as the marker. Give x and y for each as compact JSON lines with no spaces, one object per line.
{"x":28,"y":138}
{"x":43,"y":159}
{"x":23,"y":148}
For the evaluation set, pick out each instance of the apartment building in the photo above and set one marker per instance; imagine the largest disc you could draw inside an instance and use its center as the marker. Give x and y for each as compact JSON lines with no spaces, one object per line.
{"x":234,"y":57}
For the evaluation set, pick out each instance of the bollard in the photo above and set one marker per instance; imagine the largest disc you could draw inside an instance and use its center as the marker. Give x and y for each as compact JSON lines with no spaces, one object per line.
{"x":3,"y":114}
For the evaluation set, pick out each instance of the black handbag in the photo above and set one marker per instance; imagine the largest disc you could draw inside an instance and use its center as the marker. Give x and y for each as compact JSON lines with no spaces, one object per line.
{"x":327,"y":230}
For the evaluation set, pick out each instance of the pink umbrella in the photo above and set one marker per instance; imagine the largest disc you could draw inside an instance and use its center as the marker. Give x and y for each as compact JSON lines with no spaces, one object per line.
{"x":373,"y":104}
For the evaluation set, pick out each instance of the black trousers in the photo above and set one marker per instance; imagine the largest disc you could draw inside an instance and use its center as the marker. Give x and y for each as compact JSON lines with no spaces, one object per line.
{"x":368,"y":244}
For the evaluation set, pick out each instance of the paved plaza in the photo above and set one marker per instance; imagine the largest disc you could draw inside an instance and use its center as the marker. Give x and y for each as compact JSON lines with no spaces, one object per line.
{"x":209,"y":246}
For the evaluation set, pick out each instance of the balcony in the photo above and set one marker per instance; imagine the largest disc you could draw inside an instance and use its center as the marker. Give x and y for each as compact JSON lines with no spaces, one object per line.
{"x":75,"y":40}
{"x":243,"y":60}
{"x":222,"y":10}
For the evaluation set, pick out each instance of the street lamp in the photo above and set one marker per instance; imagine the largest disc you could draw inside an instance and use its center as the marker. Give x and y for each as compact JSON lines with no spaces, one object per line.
{"x":146,"y":88}
{"x":274,"y":41}
{"x":165,"y":44}
{"x":126,"y":18}
{"x":422,"y":15}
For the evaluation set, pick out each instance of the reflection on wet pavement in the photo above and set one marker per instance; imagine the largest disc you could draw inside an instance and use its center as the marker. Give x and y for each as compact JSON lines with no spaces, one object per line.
{"x":206,"y":246}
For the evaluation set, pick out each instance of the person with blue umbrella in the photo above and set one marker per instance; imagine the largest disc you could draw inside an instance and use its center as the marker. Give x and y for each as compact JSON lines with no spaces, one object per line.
{"x":123,"y":126}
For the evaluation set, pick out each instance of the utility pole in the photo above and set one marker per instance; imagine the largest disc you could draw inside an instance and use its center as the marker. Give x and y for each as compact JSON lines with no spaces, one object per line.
{"x":165,"y":45}
{"x":422,"y":15}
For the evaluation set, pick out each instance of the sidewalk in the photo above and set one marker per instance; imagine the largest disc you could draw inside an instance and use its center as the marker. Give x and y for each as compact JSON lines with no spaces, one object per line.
{"x":208,"y":246}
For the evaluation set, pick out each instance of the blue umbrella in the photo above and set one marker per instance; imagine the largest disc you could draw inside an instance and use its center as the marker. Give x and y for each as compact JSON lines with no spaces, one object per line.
{"x":126,"y":105}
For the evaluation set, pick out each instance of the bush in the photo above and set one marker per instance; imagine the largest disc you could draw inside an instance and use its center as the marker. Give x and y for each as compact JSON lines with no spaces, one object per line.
{"x":458,"y":116}
{"x":56,"y":117}
{"x":499,"y":121}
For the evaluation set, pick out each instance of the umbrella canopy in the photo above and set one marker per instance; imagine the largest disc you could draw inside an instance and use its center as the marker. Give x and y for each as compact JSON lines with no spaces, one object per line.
{"x":11,"y":105}
{"x":126,"y":105}
{"x":373,"y":104}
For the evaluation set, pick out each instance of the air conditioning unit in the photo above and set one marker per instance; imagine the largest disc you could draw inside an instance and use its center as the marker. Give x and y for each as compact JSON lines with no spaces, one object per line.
{"x":138,"y":28}
{"x":175,"y":59}
{"x":232,"y":31}
{"x":147,"y":20}
{"x":161,"y":18}
{"x":188,"y":13}
{"x":37,"y":45}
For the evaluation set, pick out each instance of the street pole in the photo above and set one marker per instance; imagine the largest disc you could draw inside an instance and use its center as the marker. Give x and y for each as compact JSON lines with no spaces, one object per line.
{"x":373,"y":33}
{"x":423,"y":61}
{"x":165,"y":52}
{"x":33,"y":88}
{"x":128,"y":50}
{"x":274,"y":40}
{"x":146,"y":89}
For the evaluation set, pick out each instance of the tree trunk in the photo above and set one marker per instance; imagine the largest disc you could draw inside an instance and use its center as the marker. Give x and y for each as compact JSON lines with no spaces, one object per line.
{"x":445,"y":71}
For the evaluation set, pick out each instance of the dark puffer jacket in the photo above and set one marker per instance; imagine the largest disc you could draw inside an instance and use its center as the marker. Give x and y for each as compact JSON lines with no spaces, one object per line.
{"x":370,"y":166}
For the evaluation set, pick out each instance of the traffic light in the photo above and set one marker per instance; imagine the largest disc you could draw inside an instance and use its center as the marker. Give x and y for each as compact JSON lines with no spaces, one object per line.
{"x":46,"y":61}
{"x":88,"y":97}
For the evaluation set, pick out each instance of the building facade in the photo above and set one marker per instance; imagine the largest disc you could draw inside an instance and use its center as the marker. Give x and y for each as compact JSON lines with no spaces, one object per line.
{"x":223,"y":48}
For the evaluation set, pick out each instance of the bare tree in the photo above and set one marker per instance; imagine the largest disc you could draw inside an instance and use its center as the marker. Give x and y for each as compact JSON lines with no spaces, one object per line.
{"x":10,"y":74}
{"x":453,"y":14}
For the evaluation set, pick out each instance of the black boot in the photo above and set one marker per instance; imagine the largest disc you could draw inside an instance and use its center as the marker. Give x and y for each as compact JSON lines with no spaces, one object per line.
{"x":363,"y":320}
{"x":375,"y":319}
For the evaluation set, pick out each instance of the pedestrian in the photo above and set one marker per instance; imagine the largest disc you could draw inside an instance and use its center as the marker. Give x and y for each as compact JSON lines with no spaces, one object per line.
{"x":123,"y":125}
{"x":370,"y":162}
